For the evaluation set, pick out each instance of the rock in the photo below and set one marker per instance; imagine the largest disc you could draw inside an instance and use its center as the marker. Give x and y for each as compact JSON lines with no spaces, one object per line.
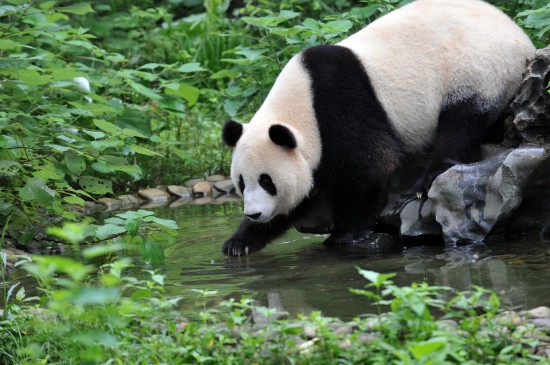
{"x":110,"y":203}
{"x":469,"y":200}
{"x":224,"y":186}
{"x":202,"y":189}
{"x":367,"y":338}
{"x":201,"y":201}
{"x":509,"y":317}
{"x":151,"y":205}
{"x":130,"y":200}
{"x":542,"y":323}
{"x":92,"y":207}
{"x":531,"y":106}
{"x":189,"y":184}
{"x":179,"y":191}
{"x":215,"y":178}
{"x":161,"y":187}
{"x":154,"y":195}
{"x":539,"y":312}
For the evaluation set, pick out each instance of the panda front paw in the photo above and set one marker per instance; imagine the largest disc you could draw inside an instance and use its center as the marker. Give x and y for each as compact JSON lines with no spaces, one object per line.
{"x":240,"y":247}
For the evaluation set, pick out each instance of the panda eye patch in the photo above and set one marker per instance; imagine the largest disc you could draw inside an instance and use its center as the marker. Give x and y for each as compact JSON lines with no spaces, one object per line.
{"x":241,"y":184}
{"x":267,"y":184}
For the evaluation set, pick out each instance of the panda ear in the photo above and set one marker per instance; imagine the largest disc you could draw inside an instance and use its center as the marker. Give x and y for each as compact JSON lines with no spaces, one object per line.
{"x":282,"y":136}
{"x":231,"y":133}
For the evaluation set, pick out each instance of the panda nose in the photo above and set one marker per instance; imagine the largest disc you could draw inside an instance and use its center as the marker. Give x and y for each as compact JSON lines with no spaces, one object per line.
{"x":254,"y":216}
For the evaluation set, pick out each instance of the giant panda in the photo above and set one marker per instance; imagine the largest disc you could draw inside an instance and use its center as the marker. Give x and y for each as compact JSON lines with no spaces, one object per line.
{"x":339,"y":119}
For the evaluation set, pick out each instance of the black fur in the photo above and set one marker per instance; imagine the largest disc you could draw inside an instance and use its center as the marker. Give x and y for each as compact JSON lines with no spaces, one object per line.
{"x":267,"y":184}
{"x":282,"y":136}
{"x":360,"y":148}
{"x":462,"y":127}
{"x":231,"y":132}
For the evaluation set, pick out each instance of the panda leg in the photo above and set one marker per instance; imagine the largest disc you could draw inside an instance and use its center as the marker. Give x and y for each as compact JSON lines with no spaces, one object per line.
{"x":354,"y":215}
{"x":461,"y":129}
{"x":252,"y":236}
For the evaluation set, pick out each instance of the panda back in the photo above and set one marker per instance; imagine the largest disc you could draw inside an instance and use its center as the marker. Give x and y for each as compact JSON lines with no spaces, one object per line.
{"x":435,"y":52}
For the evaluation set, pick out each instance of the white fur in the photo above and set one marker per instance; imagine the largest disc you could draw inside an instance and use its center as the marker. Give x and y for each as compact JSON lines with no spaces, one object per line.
{"x":416,"y":55}
{"x":289,"y":103}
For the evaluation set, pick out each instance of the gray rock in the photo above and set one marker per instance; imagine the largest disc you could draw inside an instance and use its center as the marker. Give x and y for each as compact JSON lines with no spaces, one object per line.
{"x":151,"y":205}
{"x":224,"y":186}
{"x":204,"y":200}
{"x":215,"y":178}
{"x":130,"y":200}
{"x":110,"y":203}
{"x":92,"y":207}
{"x":189,"y":184}
{"x":531,"y":107}
{"x":539,"y":312}
{"x":542,"y":323}
{"x":179,"y":191}
{"x":154,"y":195}
{"x":469,"y":200}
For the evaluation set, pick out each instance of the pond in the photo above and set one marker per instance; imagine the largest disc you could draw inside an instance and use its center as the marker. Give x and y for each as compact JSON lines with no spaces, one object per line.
{"x":298,"y":274}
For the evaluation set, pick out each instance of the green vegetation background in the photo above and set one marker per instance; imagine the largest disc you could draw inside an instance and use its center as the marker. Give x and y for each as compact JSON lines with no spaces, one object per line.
{"x":104,"y":97}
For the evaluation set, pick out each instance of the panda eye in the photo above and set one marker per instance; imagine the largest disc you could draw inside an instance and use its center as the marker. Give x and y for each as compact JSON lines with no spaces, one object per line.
{"x":241,"y":184}
{"x":267,"y":184}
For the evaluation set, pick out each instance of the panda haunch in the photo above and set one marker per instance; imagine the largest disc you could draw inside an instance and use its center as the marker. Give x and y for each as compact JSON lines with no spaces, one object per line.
{"x":435,"y":74}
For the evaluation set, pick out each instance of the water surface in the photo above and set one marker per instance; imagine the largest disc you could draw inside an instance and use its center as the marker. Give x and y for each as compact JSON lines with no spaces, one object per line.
{"x":297,"y":273}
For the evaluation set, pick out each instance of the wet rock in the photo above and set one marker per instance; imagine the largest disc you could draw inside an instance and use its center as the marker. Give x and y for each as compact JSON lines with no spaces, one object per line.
{"x":224,"y":186}
{"x":189,"y":184}
{"x":154,"y":195}
{"x":130,"y":200}
{"x":202,"y":189}
{"x":367,"y":338}
{"x":215,"y":178}
{"x":539,"y":312}
{"x":151,"y":205}
{"x":110,"y":203}
{"x":469,"y":200}
{"x":92,"y":207}
{"x":179,"y":191}
{"x":201,"y":201}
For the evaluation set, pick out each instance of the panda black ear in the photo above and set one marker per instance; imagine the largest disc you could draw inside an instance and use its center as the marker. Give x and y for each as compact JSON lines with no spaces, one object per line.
{"x":282,"y":136}
{"x":231,"y":133}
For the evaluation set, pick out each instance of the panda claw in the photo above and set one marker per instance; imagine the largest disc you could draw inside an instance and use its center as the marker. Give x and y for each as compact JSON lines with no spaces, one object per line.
{"x":419,"y":194}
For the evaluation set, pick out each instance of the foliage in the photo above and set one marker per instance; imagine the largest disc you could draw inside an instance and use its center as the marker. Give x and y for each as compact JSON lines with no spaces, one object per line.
{"x":117,"y":318}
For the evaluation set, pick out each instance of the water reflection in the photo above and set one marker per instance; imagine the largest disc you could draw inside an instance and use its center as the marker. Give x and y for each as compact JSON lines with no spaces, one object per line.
{"x":298,"y":274}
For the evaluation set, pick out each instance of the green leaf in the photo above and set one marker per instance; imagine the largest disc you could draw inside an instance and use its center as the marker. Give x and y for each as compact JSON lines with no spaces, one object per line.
{"x":427,"y":348}
{"x":9,"y":168}
{"x":168,"y":223}
{"x":106,"y":126}
{"x":76,"y":164}
{"x":132,"y":226}
{"x":97,"y":251}
{"x":36,"y":190}
{"x":143,"y":90}
{"x":143,"y":150}
{"x":8,"y":45}
{"x":191,"y":67}
{"x":107,"y":230}
{"x":187,"y":92}
{"x":73,"y":199}
{"x":152,"y":252}
{"x":94,"y":185}
{"x":79,"y":9}
{"x":70,"y":232}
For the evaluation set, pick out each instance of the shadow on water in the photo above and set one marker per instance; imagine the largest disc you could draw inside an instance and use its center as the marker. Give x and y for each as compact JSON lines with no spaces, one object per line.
{"x":297,"y":273}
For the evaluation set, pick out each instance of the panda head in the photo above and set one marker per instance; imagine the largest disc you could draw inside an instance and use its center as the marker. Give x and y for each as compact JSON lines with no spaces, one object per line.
{"x":268,"y":168}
